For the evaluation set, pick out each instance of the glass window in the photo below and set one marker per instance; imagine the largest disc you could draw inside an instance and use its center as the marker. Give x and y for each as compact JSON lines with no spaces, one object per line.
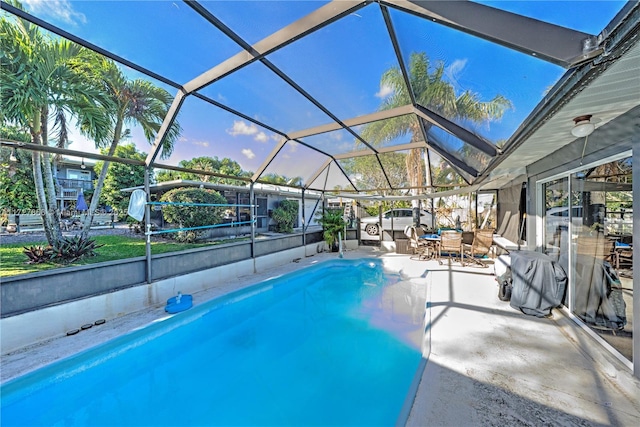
{"x":556,"y":220}
{"x":590,"y":213}
{"x":78,"y":174}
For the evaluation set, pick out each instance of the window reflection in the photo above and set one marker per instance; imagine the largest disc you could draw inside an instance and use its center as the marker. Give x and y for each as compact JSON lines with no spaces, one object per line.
{"x":591,"y":214}
{"x":556,"y":219}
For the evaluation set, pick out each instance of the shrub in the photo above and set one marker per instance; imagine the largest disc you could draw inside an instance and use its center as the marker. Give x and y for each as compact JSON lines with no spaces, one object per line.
{"x":39,"y":254}
{"x":333,"y":223}
{"x":192,"y":216}
{"x":68,"y":250}
{"x":285,"y":216}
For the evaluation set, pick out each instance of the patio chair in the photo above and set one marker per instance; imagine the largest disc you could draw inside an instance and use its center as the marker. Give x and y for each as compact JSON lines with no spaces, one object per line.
{"x":420,"y":247}
{"x":623,"y":255}
{"x":451,"y":246}
{"x":480,"y":246}
{"x":597,"y":246}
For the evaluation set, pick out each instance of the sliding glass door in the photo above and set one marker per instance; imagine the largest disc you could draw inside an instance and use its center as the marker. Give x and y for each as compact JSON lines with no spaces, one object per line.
{"x":588,"y":229}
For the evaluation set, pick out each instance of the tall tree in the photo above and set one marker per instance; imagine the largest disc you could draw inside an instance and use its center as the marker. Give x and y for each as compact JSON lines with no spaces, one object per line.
{"x":432,"y":91}
{"x":223,"y":166}
{"x":16,"y":174}
{"x":16,"y":182}
{"x":133,"y":102}
{"x":370,"y":176}
{"x":274,"y":178}
{"x":40,"y":75}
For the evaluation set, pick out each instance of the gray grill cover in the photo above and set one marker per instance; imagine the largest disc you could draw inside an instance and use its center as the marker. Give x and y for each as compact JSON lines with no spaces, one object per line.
{"x":538,"y":283}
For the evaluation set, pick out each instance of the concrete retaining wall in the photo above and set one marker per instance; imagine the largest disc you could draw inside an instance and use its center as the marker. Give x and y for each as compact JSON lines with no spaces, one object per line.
{"x":18,"y":331}
{"x":24,"y":293}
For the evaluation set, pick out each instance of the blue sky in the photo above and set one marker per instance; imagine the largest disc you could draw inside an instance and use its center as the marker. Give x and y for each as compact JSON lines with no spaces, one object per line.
{"x":340,"y":66}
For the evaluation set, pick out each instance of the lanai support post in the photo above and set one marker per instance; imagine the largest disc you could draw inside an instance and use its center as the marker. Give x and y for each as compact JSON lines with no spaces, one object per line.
{"x":304,"y":223}
{"x":147,"y":222}
{"x":635,"y":144}
{"x":252,"y":209}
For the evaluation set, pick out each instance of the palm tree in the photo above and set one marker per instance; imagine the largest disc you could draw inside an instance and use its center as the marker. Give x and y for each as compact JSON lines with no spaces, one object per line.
{"x":274,"y":178}
{"x":39,"y":75}
{"x":133,"y":102}
{"x":432,"y":92}
{"x":225,"y":166}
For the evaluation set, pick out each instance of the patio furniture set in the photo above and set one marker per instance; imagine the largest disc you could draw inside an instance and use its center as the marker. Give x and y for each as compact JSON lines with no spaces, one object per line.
{"x":450,"y":245}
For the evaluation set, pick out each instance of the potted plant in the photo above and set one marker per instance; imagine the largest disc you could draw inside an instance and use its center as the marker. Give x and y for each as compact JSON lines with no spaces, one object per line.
{"x":332,"y":221}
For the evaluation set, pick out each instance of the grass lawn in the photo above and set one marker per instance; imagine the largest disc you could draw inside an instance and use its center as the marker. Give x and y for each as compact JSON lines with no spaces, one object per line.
{"x":13,"y":260}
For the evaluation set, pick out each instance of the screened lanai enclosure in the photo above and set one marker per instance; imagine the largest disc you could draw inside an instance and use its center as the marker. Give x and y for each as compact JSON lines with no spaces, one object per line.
{"x":528,"y":110}
{"x":375,"y":97}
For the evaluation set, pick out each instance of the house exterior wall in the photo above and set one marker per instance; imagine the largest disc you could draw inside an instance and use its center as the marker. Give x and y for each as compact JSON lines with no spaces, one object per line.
{"x":72,"y":179}
{"x":600,"y":145}
{"x":597,"y":148}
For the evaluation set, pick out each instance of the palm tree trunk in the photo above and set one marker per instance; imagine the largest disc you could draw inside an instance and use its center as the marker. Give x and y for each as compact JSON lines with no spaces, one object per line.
{"x":40,"y":193}
{"x":86,"y":226}
{"x":53,"y":213}
{"x":415,"y":175}
{"x":428,"y":187}
{"x":53,"y":237}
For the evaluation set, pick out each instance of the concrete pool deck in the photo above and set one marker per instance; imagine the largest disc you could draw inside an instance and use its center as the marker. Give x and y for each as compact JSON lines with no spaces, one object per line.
{"x":492,"y":365}
{"x":488,"y":364}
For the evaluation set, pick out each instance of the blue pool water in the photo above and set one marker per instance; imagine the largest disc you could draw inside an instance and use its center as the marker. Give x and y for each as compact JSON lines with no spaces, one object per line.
{"x":327,"y":345}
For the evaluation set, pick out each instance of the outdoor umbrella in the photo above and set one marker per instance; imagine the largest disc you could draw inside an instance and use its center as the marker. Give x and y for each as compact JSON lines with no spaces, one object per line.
{"x":81,"y":204}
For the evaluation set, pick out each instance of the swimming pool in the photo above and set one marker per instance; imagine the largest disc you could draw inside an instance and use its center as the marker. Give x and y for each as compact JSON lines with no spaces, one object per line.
{"x":337,"y":343}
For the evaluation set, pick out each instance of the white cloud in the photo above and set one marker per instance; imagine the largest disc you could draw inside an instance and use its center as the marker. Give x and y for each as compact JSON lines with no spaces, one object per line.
{"x":248,"y":153}
{"x":182,"y":139}
{"x":61,"y":10}
{"x":242,"y":128}
{"x":454,"y":70}
{"x":293,"y":146}
{"x":261,"y":137}
{"x":201,"y":143}
{"x":384,"y":91}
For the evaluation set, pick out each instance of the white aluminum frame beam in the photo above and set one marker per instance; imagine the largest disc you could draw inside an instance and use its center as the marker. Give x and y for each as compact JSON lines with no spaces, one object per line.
{"x":356,"y":121}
